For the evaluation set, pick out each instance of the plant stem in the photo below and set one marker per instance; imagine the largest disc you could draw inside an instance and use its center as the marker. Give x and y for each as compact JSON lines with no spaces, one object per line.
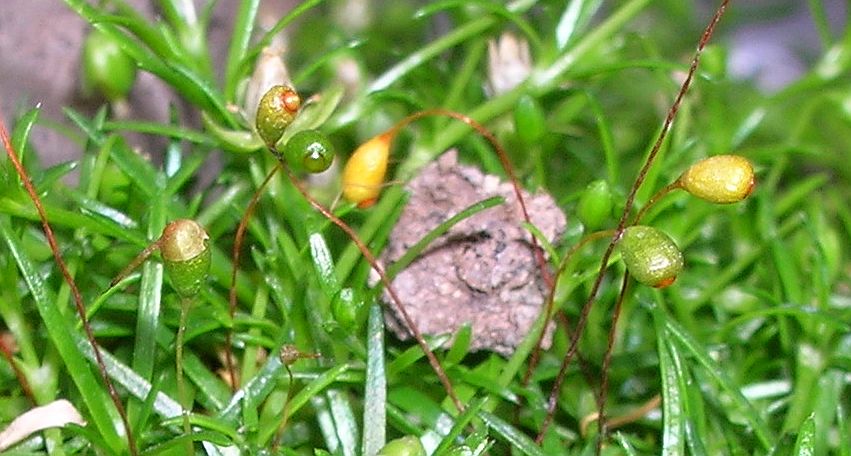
{"x":630,"y":201}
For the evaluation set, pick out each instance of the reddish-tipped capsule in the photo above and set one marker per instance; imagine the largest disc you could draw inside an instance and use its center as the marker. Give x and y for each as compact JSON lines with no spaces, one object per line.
{"x":275,"y":113}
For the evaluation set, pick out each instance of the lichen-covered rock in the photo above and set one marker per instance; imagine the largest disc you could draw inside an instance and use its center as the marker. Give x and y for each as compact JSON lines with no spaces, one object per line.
{"x":483,"y":271}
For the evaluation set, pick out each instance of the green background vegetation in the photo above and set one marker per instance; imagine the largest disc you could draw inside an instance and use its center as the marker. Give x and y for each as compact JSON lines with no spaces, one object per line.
{"x":750,"y":349}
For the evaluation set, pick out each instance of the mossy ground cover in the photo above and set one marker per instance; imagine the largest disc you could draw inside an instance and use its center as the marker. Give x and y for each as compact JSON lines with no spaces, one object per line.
{"x":748,"y":352}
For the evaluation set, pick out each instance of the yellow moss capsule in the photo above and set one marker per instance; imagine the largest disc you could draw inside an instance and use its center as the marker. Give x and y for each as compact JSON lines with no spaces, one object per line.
{"x":185,"y":249}
{"x":719,"y":179}
{"x":364,"y":173}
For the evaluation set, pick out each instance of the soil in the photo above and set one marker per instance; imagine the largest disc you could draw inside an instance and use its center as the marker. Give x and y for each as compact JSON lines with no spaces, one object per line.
{"x":483,"y":271}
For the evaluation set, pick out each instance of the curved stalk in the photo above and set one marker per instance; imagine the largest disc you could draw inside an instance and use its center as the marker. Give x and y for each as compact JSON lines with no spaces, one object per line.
{"x":622,"y":223}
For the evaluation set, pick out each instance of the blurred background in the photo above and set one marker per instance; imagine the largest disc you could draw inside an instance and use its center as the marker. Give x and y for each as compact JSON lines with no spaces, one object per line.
{"x":772,"y":42}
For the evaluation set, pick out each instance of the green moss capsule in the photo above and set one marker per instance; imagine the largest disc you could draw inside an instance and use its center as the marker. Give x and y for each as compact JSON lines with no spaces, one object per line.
{"x":405,"y":446}
{"x":309,"y":150}
{"x":347,"y":309}
{"x":275,"y":113}
{"x":529,"y":120}
{"x":595,"y":204}
{"x":106,"y":67}
{"x":650,"y":255}
{"x":720,"y":179}
{"x":185,"y":249}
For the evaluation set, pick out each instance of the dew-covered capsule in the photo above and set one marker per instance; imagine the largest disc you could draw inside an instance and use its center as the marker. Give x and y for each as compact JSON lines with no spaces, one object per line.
{"x":363,"y":175}
{"x":309,"y":150}
{"x":275,"y":113}
{"x":719,"y":179}
{"x":650,"y":256}
{"x":185,"y":249}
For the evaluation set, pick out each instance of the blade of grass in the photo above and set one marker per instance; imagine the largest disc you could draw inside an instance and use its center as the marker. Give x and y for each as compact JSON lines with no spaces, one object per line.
{"x":415,"y":250}
{"x":375,"y":388}
{"x":158,"y":129}
{"x":490,"y":7}
{"x":57,"y":328}
{"x":302,"y":397}
{"x":805,"y":443}
{"x":464,"y":32}
{"x":345,"y":426}
{"x":763,"y":432}
{"x":150,"y":292}
{"x":575,"y":17}
{"x":673,"y":415}
{"x":296,"y":12}
{"x":461,"y":422}
{"x":509,"y":433}
{"x":243,"y":26}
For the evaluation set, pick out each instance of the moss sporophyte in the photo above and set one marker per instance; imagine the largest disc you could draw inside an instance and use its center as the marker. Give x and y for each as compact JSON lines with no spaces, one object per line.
{"x":650,"y":256}
{"x":275,"y":113}
{"x":186,"y":253}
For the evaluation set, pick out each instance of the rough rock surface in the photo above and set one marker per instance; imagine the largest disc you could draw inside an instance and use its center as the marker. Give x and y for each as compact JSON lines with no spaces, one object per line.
{"x":483,"y":271}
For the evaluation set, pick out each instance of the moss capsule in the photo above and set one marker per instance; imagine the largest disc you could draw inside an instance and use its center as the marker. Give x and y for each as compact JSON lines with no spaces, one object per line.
{"x":529,"y":120}
{"x":347,"y":309}
{"x":719,"y":179}
{"x":650,"y":255}
{"x":595,"y":204}
{"x":106,"y":67}
{"x":309,"y":150}
{"x":275,"y":113}
{"x":185,"y":249}
{"x":364,"y":173}
{"x":405,"y":446}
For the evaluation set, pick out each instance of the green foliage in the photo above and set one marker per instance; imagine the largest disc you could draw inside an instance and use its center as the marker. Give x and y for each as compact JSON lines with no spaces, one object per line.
{"x":749,"y":350}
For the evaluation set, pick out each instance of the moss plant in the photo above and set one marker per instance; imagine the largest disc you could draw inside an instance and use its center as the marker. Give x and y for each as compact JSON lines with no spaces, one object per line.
{"x":746,"y":353}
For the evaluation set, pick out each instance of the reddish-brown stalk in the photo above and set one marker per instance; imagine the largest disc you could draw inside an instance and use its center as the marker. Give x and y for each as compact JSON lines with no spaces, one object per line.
{"x":69,"y":279}
{"x":19,"y":374}
{"x":237,"y":248}
{"x":289,"y":355}
{"x":655,"y":199}
{"x":550,"y":303}
{"x":140,"y":258}
{"x":618,"y":421}
{"x":397,"y":302}
{"x":607,"y":360}
{"x":630,"y":201}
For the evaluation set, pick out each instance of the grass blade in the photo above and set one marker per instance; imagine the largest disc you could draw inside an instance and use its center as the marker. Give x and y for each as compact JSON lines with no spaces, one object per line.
{"x":243,"y":26}
{"x":375,"y":389}
{"x":805,"y":444}
{"x":511,"y":434}
{"x":682,"y":337}
{"x":59,"y":332}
